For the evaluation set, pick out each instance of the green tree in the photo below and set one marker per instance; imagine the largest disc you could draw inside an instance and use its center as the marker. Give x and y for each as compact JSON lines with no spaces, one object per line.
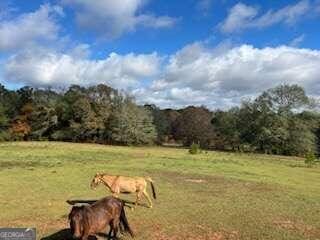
{"x":4,"y":135}
{"x":43,"y":119}
{"x":271,"y":124}
{"x":101,"y":98}
{"x":171,"y":116}
{"x":284,"y":99}
{"x":194,"y":126}
{"x":77,"y":119}
{"x":85,"y":125}
{"x":227,"y":132}
{"x":302,"y":140}
{"x":160,"y":121}
{"x":131,"y":124}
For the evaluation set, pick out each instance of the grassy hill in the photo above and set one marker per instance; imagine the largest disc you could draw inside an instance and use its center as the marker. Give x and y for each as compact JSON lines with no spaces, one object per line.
{"x":212,"y":195}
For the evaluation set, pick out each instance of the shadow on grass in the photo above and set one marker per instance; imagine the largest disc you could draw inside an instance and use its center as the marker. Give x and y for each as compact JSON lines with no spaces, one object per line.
{"x":127,"y":203}
{"x":64,"y":234}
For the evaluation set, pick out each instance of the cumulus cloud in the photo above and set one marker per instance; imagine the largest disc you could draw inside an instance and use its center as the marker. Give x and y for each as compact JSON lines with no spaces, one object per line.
{"x":217,"y":77}
{"x":40,"y":67}
{"x":242,"y":16}
{"x":198,"y":75}
{"x":29,"y":28}
{"x":110,"y":19}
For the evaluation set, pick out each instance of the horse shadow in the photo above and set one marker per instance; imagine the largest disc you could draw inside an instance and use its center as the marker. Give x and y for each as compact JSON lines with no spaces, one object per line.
{"x":128,"y":203}
{"x":65,"y":234}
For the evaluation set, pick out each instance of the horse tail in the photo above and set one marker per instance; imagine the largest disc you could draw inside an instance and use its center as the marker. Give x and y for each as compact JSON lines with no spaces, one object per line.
{"x":124,"y":221}
{"x":152,"y":187}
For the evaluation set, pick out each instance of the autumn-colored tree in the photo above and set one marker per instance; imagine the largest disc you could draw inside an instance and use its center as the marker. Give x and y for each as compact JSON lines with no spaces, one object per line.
{"x":20,"y":127}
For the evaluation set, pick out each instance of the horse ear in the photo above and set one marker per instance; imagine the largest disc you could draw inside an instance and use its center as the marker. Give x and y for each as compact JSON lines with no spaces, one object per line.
{"x":71,"y":212}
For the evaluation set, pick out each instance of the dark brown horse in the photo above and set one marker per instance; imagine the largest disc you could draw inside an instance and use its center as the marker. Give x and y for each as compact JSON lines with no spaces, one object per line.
{"x":93,"y":219}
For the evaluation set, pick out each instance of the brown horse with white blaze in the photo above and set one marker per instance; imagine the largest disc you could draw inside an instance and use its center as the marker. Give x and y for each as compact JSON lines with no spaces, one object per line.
{"x":122,"y":184}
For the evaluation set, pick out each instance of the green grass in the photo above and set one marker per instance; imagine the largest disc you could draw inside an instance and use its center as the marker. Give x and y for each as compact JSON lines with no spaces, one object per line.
{"x":212,"y":195}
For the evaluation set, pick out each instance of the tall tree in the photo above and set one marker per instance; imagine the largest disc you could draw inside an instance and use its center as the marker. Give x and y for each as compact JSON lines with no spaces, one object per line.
{"x":194,"y":126}
{"x":269,"y":123}
{"x":286,"y":98}
{"x":77,"y":119}
{"x":3,"y":124}
{"x":44,"y":118}
{"x":171,"y":116}
{"x":227,"y":132}
{"x":160,"y":121}
{"x":131,"y":124}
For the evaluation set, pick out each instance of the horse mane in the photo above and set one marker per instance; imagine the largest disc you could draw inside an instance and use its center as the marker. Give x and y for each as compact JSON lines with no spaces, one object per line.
{"x":105,"y":182}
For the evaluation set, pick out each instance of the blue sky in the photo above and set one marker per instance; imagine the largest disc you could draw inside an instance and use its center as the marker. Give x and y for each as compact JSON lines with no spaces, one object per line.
{"x":171,"y":53}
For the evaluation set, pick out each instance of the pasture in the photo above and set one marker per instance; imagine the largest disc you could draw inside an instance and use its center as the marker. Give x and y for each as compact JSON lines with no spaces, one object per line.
{"x":213,"y":195}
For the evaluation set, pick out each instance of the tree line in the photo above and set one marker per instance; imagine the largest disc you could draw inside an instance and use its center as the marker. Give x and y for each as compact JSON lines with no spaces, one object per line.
{"x":282,"y":120}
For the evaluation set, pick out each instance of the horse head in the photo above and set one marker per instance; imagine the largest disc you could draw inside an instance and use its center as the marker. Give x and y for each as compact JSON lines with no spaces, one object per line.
{"x":96,"y":180}
{"x":76,"y":218}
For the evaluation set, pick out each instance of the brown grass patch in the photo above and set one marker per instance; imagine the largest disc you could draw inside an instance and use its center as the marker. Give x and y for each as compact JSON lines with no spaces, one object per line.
{"x":302,"y":228}
{"x":195,"y":180}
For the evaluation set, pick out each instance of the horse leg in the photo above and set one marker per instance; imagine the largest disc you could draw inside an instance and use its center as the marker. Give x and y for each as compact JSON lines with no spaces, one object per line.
{"x":115,"y":228}
{"x":115,"y":191}
{"x":147,"y":197}
{"x":111,"y":230}
{"x":138,"y":198}
{"x":85,"y":236}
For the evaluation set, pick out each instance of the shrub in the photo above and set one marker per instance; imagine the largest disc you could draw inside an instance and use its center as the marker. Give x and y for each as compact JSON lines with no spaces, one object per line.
{"x":194,"y":148}
{"x":310,"y":159}
{"x":4,"y":136}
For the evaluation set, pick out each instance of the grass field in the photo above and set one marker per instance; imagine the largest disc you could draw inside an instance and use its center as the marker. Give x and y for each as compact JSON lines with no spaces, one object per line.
{"x":214,"y":195}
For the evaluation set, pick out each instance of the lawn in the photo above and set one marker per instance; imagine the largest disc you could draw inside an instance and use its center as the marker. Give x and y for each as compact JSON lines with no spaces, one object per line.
{"x":212,"y":195}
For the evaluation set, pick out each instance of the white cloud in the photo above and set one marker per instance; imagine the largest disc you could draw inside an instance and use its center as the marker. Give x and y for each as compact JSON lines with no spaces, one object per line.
{"x":217,"y":77}
{"x":239,"y":17}
{"x":243,"y":16}
{"x":156,"y":22}
{"x":110,"y":18}
{"x":197,"y":75}
{"x":80,"y":51}
{"x":40,"y":67}
{"x":297,"y":41}
{"x":28,"y":28}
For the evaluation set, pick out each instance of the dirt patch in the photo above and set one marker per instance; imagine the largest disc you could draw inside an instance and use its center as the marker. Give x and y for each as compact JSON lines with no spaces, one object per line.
{"x":213,"y":183}
{"x":260,"y":187}
{"x":224,"y":235}
{"x":23,"y":164}
{"x":302,"y":228}
{"x":198,"y":232}
{"x":195,"y":180}
{"x":221,"y":235}
{"x":174,"y":177}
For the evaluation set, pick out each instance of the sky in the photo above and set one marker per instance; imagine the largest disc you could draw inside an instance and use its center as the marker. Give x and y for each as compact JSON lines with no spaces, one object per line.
{"x":173,"y":53}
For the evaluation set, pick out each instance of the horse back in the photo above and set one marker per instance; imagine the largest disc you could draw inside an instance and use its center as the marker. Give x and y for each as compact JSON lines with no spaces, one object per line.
{"x":102,"y":212}
{"x":131,"y":184}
